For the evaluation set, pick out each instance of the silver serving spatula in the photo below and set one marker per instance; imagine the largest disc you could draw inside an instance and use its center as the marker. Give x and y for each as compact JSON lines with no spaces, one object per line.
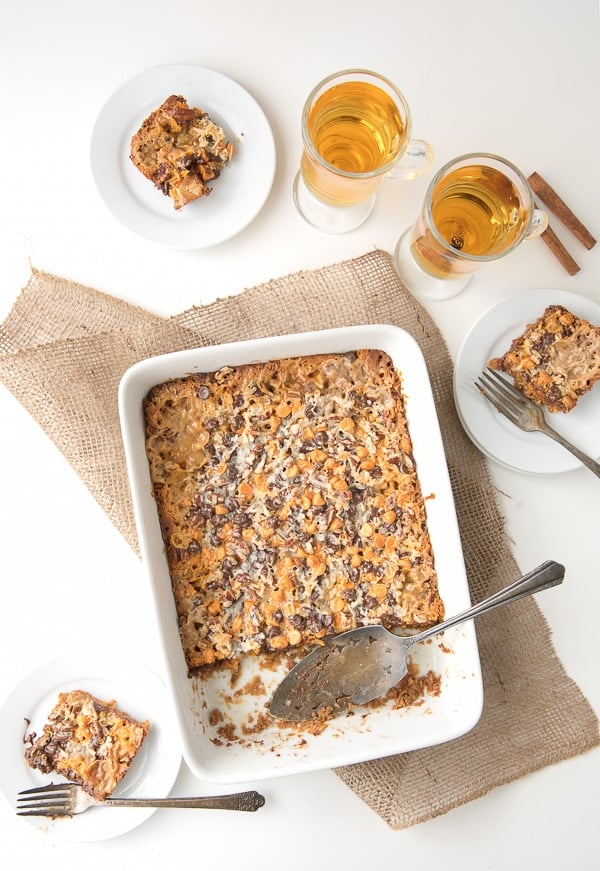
{"x":364,"y":663}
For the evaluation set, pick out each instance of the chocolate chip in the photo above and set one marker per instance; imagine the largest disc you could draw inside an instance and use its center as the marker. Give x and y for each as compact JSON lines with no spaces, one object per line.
{"x":297,"y":621}
{"x":194,"y":547}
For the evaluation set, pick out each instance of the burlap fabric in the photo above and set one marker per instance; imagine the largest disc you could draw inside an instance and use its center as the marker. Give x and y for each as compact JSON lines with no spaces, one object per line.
{"x":63,"y":350}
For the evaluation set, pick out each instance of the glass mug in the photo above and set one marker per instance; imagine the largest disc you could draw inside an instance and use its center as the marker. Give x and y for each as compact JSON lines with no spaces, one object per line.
{"x":477,"y":208}
{"x":356,"y":130}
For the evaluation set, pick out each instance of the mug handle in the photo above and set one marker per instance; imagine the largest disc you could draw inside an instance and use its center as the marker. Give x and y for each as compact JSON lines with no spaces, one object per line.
{"x":415,"y":161}
{"x":539,"y":222}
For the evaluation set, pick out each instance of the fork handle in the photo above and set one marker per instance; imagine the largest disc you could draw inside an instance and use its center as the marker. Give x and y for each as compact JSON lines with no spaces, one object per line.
{"x":239,"y":801}
{"x":587,"y":461}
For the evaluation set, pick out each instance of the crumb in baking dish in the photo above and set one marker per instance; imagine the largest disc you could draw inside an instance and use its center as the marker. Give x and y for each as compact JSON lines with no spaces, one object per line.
{"x":556,"y":360}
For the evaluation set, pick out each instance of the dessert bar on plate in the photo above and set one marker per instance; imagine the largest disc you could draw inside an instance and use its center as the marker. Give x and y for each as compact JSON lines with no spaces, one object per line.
{"x":88,"y":741}
{"x":556,"y":359}
{"x":180,"y":149}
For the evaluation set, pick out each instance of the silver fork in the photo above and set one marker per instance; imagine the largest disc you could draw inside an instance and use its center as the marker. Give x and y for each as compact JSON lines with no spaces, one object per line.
{"x":524,"y":413}
{"x":66,"y":799}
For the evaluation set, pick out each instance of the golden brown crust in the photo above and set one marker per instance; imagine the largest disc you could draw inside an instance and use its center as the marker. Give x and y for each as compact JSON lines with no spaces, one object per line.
{"x":88,"y":741}
{"x":180,"y":149}
{"x":555,"y":360}
{"x":289,"y":503}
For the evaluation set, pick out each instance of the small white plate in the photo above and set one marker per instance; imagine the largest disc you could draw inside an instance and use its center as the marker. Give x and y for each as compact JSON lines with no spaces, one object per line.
{"x":238,"y":194}
{"x":493,"y":434}
{"x":137,"y":691}
{"x":277,"y":750}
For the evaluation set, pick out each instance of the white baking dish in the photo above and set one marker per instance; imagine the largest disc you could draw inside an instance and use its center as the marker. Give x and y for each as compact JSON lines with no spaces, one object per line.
{"x":364,"y":735}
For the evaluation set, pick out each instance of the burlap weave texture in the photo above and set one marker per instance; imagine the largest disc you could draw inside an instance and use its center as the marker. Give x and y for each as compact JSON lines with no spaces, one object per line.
{"x":63,"y":350}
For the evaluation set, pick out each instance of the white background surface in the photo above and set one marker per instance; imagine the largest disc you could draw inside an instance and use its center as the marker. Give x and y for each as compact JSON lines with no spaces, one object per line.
{"x":518,"y":78}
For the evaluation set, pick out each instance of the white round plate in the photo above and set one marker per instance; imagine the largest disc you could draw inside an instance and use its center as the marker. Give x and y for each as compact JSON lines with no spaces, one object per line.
{"x":137,"y":691}
{"x":493,"y":434}
{"x":238,"y":194}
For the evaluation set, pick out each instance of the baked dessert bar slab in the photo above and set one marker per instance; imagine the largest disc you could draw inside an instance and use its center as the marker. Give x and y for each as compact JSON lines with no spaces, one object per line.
{"x":290,"y":503}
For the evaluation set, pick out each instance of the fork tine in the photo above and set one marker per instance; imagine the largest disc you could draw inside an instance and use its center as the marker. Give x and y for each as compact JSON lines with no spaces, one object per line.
{"x":504,"y":402}
{"x":49,"y":788}
{"x":52,"y":808}
{"x":52,"y":800}
{"x":502,"y":391}
{"x":43,"y":809}
{"x":507,"y":387}
{"x":496,"y":400}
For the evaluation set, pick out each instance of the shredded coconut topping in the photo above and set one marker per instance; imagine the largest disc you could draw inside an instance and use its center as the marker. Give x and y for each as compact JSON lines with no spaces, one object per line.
{"x":289,"y":503}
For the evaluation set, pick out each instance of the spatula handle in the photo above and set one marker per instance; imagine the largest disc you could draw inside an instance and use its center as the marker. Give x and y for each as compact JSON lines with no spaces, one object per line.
{"x":546,"y":575}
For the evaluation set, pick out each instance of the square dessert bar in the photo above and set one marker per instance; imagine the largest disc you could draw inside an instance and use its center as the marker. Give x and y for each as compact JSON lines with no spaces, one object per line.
{"x":180,"y":149}
{"x":88,"y":741}
{"x":289,"y":504}
{"x":555,"y":360}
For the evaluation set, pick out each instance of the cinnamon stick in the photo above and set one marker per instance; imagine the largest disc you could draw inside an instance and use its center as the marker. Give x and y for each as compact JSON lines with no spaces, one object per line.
{"x":548,"y":195}
{"x":559,"y":251}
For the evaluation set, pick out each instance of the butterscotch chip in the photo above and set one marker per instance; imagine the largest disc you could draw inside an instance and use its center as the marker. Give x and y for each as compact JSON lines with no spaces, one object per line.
{"x":180,"y":149}
{"x":88,"y":741}
{"x":335,"y":543}
{"x":556,"y":360}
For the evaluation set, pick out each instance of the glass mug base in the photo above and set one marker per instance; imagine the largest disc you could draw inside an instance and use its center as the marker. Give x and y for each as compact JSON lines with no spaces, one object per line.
{"x":419,"y":282}
{"x":329,"y":219}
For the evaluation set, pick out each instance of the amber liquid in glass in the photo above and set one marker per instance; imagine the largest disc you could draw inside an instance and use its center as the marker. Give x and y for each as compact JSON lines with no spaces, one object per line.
{"x":478,"y":211}
{"x":355,"y":127}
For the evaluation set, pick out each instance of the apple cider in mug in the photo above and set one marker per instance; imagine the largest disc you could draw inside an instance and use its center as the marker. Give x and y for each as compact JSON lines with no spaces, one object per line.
{"x":477,"y":211}
{"x":355,"y":127}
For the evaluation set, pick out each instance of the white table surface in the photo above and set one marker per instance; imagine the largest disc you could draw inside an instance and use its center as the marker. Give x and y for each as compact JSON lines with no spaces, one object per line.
{"x":517,"y":78}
